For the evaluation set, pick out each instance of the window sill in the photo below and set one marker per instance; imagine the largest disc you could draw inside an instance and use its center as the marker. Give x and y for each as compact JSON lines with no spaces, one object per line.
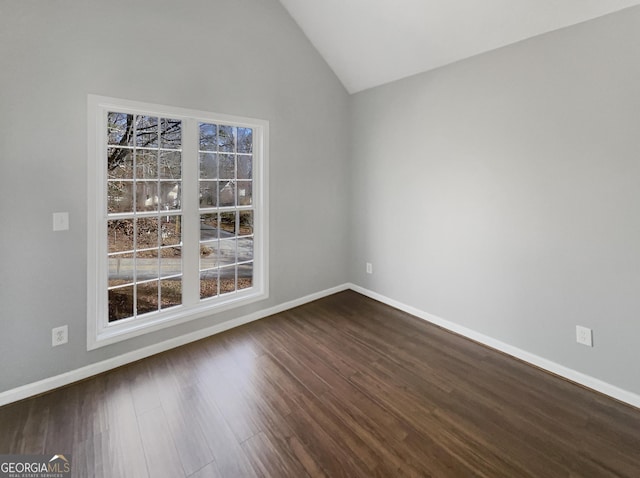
{"x":118,"y":332}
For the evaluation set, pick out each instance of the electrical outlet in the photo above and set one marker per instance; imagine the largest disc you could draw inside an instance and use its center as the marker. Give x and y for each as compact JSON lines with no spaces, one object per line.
{"x":369,"y":268}
{"x":60,"y":221}
{"x":584,"y":336}
{"x":59,"y":335}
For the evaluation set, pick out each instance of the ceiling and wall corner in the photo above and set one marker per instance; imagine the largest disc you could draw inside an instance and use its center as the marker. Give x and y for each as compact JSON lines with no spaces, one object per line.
{"x":368,"y":43}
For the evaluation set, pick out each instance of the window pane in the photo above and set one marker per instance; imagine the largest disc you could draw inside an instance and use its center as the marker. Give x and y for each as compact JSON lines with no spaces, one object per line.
{"x":119,"y":196}
{"x":208,"y":137}
{"x":245,"y":165}
{"x":119,"y":163}
{"x":228,"y":224}
{"x":227,"y":194}
{"x":227,"y":138}
{"x":227,"y":252}
{"x":245,"y":276}
{"x":120,"y":269}
{"x":208,"y":194}
{"x":170,"y":165}
{"x":227,"y":166}
{"x":209,"y":225}
{"x":208,"y":166}
{"x":147,"y":297}
{"x":245,"y":140}
{"x":245,"y":193}
{"x":245,"y":249}
{"x":146,"y":195}
{"x":227,"y":279}
{"x":147,"y":232}
{"x":208,"y":284}
{"x":147,"y":131}
{"x":120,"y":129}
{"x":170,"y":261}
{"x":170,"y":133}
{"x":209,"y":255}
{"x":146,"y":164}
{"x":147,"y":263}
{"x":170,"y":292}
{"x":120,"y":233}
{"x":171,"y":234}
{"x":170,"y":196}
{"x":120,"y":303}
{"x":246,"y":223}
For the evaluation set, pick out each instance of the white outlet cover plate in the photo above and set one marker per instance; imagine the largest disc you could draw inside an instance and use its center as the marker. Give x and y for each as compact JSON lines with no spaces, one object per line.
{"x":62,"y":332}
{"x":584,"y":336}
{"x":60,"y":221}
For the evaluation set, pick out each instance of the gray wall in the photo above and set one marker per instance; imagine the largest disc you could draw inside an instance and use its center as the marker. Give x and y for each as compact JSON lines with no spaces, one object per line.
{"x":501,"y":193}
{"x":240,"y":57}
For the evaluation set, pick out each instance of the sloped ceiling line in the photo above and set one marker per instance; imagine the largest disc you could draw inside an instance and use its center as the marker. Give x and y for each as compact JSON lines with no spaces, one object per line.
{"x":368,"y":43}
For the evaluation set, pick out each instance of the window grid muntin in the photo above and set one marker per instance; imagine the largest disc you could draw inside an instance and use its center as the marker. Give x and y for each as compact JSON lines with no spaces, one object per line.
{"x":137,"y":150}
{"x":214,"y":179}
{"x":99,"y":333}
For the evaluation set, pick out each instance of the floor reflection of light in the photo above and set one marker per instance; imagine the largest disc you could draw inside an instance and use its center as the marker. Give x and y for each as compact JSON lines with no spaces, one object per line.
{"x":227,"y":380}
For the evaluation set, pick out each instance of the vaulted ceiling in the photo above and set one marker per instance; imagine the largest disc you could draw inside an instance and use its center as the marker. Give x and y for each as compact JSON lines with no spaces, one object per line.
{"x":371,"y":42}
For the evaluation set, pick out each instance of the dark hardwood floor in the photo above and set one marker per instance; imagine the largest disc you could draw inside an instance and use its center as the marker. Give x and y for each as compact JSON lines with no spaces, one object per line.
{"x":341,"y":387}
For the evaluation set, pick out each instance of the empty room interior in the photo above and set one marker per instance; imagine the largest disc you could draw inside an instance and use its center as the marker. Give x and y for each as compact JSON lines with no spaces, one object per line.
{"x":250,"y":238}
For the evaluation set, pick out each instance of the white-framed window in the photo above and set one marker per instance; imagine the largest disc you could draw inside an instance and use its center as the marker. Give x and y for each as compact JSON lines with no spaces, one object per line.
{"x":177,"y":216}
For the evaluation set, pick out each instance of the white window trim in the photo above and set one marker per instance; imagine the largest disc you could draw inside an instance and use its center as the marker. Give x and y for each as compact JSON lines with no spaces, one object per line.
{"x":99,"y":332}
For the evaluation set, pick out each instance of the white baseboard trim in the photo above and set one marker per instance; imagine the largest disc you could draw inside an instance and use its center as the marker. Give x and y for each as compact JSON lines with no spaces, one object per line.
{"x":548,"y":365}
{"x":51,"y":383}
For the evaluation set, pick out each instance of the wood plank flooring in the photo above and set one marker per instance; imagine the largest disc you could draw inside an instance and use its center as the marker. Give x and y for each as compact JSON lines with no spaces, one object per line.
{"x":341,"y":387}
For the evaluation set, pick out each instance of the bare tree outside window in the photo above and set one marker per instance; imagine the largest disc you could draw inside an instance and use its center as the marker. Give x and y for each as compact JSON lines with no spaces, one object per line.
{"x":144,"y":167}
{"x":144,"y":174}
{"x":177,"y":224}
